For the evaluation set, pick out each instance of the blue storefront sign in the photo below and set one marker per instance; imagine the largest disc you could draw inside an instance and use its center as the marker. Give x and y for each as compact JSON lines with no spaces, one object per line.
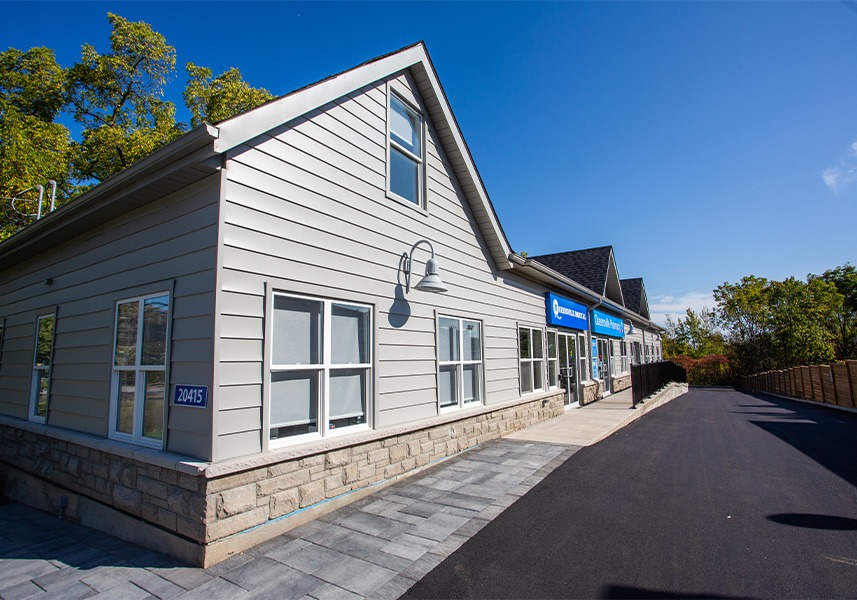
{"x":563,"y":312}
{"x":191,"y":395}
{"x":604,"y":324}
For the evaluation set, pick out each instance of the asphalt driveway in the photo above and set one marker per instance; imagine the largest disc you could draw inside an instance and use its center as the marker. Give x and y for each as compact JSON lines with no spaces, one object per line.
{"x":717,"y":494}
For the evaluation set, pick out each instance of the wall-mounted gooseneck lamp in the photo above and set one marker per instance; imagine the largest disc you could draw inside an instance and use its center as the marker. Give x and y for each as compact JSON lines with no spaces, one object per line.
{"x":431,"y":282}
{"x":630,"y":326}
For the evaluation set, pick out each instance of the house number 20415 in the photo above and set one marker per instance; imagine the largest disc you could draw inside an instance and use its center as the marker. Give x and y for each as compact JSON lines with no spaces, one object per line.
{"x":191,"y":395}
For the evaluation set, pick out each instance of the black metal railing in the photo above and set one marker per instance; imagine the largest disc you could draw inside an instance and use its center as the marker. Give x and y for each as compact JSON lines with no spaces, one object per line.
{"x":648,"y":378}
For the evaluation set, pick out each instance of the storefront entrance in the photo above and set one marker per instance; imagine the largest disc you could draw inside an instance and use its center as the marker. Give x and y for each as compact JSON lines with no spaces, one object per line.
{"x":568,"y":377}
{"x":604,"y":366}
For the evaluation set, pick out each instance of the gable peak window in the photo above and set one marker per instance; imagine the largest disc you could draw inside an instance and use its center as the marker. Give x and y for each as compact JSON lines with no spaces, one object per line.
{"x":406,"y":155}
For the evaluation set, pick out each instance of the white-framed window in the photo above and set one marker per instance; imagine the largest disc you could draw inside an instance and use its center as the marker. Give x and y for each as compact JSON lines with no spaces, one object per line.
{"x":459,"y":362}
{"x":405,"y":152}
{"x":531,"y":355}
{"x":553,"y":360}
{"x":42,"y":358}
{"x":583,"y":357}
{"x":139,"y":388}
{"x":320,"y":368}
{"x":623,"y":350}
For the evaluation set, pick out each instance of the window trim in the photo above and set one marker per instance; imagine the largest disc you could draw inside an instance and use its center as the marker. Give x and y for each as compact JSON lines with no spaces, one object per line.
{"x":323,"y":368}
{"x":531,"y":361}
{"x":136,"y":436}
{"x":461,"y":363}
{"x":552,"y":385}
{"x":36,"y":369}
{"x":391,"y":146}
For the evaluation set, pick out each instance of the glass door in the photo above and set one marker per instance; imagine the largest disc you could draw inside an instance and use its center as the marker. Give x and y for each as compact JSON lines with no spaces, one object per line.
{"x":604,"y":365}
{"x":568,"y":367}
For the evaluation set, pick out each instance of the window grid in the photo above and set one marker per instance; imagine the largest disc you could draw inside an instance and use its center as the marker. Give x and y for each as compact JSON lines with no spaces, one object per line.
{"x":401,"y":156}
{"x":42,"y":361}
{"x":457,"y":368}
{"x":531,"y":359}
{"x":139,"y":386}
{"x":324,"y":424}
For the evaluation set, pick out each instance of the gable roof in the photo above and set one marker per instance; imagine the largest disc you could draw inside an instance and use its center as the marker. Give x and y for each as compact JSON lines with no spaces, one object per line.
{"x":634,"y":293}
{"x":594,"y":268}
{"x":415,"y":59}
{"x":196,"y":152}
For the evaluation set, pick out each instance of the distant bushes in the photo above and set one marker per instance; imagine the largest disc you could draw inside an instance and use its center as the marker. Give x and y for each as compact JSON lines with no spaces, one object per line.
{"x":708,"y":370}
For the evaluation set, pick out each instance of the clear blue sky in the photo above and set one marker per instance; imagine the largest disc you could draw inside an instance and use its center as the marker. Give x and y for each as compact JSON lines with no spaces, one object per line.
{"x":704,"y":141}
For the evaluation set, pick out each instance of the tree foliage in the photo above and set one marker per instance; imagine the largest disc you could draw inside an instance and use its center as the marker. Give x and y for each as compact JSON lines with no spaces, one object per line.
{"x":696,"y":335}
{"x":117,"y":100}
{"x":213,"y":100}
{"x":843,"y":321}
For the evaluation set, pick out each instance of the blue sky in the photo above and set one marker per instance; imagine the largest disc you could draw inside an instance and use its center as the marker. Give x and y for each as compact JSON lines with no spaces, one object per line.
{"x":705,"y":141}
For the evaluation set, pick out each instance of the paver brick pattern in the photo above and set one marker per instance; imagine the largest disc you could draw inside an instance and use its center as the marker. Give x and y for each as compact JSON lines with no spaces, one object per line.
{"x":376,"y":547}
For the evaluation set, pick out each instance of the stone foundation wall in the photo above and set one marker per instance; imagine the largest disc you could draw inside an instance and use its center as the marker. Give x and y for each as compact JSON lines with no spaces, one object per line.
{"x":208,"y":504}
{"x":622,"y":382}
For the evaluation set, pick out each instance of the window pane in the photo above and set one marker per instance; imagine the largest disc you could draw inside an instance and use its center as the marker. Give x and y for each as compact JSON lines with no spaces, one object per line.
{"x":294,"y":403}
{"x":526,"y":377}
{"x":448,"y":339}
{"x":43,"y":378}
{"x":538,"y":349}
{"x":297,"y":331}
{"x":404,"y":126}
{"x":524,"y":342}
{"x":404,"y":176}
{"x":553,"y":375}
{"x":126,"y":334}
{"x":44,"y":342}
{"x":153,"y":409}
{"x":538,"y":375}
{"x":349,"y":334}
{"x":125,"y":403}
{"x":472,"y":381}
{"x":155,"y":310}
{"x":347,"y":397}
{"x":472,"y":340}
{"x":448,"y":385}
{"x":551,"y":344}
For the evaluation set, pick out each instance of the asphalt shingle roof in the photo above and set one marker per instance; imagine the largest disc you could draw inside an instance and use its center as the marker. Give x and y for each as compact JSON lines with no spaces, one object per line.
{"x":632,"y":291}
{"x":587,"y":267}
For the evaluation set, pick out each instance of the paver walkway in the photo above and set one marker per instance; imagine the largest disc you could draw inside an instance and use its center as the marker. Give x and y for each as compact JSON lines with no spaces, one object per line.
{"x":376,"y":547}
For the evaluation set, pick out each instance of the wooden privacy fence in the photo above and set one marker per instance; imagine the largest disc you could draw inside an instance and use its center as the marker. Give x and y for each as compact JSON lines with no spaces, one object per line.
{"x":835,"y":383}
{"x":648,"y":378}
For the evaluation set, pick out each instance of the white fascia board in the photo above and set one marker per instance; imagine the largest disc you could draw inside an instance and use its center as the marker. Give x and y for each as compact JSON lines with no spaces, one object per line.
{"x":245,"y":127}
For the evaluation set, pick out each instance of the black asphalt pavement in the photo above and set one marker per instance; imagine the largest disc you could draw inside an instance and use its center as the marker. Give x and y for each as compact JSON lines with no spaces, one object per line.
{"x":716,"y":494}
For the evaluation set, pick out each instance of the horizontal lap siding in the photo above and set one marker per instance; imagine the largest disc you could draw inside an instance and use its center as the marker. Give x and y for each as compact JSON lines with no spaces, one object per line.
{"x":306,"y":210}
{"x":139,"y":253}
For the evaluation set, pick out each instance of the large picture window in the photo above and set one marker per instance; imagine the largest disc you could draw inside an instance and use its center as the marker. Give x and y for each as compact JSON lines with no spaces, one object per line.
{"x":139,"y":387}
{"x":42,"y":359}
{"x":321,"y":367}
{"x":531,"y":354}
{"x":459,"y":362}
{"x":406,"y":152}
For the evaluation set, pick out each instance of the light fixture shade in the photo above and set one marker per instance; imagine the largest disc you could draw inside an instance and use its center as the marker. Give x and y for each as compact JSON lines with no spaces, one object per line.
{"x":431,"y":282}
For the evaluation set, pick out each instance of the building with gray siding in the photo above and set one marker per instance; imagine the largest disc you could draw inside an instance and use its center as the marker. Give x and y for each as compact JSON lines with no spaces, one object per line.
{"x":229,"y":336}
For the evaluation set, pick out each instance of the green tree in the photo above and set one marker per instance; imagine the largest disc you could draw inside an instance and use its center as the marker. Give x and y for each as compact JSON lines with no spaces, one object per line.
{"x":33,"y":148}
{"x":743,"y":311}
{"x":843,"y":322}
{"x":800,"y":314}
{"x":696,"y":335}
{"x":117,"y":98}
{"x":213,"y":100}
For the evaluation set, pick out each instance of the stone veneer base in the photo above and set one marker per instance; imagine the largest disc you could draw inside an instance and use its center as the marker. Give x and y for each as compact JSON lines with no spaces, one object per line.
{"x":202,"y":513}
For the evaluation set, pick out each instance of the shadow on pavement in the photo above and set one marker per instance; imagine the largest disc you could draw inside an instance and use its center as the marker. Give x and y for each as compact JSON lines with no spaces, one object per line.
{"x":821,"y":434}
{"x":812,"y":521}
{"x":623,"y":591}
